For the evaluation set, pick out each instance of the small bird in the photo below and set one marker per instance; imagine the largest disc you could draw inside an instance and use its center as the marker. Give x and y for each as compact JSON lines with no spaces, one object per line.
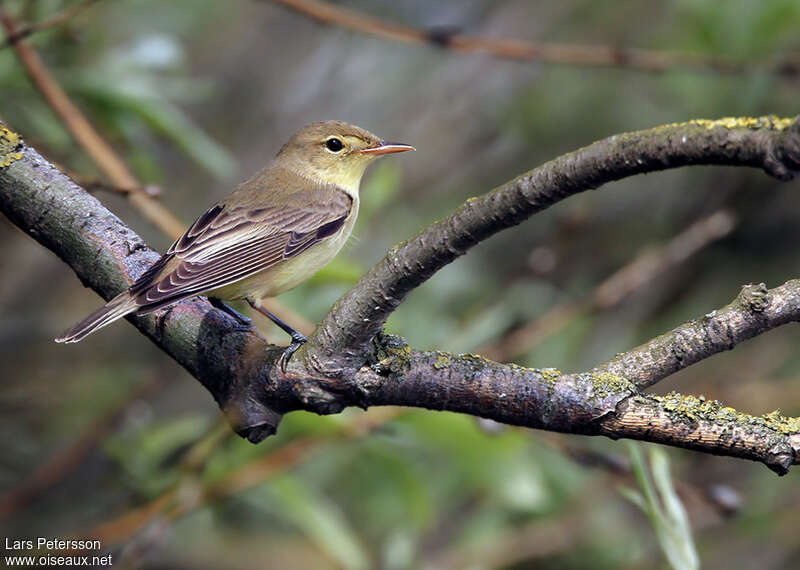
{"x":270,"y":234}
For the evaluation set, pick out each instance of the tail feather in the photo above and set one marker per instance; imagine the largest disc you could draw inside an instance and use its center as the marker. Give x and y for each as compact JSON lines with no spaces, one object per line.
{"x":115,"y":309}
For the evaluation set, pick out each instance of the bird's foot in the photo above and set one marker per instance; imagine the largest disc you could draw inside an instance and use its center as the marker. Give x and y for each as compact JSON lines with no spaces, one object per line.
{"x":298,"y":340}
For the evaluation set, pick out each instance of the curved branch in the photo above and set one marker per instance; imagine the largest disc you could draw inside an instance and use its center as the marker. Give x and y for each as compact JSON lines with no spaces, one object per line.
{"x":236,"y":365}
{"x":343,"y":337}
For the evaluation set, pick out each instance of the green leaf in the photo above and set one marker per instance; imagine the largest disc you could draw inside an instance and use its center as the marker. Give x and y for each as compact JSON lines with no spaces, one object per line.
{"x":152,"y":467}
{"x":321,"y":520}
{"x":659,"y":501}
{"x":139,"y":99}
{"x":634,"y":497}
{"x":674,"y":512}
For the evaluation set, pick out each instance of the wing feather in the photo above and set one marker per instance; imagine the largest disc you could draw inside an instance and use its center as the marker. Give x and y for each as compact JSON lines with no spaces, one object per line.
{"x":228,"y":244}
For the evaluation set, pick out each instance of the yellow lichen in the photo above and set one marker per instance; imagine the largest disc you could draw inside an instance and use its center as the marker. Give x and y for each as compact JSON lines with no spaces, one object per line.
{"x":550,"y":374}
{"x":778,"y":422}
{"x":694,"y":408}
{"x":606,"y":383}
{"x":393,"y":353}
{"x":442,"y":361}
{"x":772,"y":122}
{"x":10,"y":143}
{"x":398,"y":351}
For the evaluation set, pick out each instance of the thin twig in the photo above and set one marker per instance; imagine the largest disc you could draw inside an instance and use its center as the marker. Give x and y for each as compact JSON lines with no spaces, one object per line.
{"x":86,"y":135}
{"x":648,"y":265}
{"x":520,"y":50}
{"x":51,"y":22}
{"x":94,"y":184}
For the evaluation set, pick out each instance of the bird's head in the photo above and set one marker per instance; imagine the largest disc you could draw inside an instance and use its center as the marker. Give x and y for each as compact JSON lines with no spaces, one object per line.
{"x":335,"y":152}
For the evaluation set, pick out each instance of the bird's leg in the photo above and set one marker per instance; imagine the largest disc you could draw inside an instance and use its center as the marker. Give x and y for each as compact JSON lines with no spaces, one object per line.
{"x":298,"y":339}
{"x":227,"y":309}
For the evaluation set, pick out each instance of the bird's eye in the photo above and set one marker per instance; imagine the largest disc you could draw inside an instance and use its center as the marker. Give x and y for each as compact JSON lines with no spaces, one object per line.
{"x":334,"y":144}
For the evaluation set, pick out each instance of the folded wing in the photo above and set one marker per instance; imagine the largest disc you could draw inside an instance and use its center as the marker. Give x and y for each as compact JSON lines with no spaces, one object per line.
{"x":226,"y":245}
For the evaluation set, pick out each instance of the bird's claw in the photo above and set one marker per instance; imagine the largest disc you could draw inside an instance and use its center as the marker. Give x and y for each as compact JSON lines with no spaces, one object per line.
{"x":298,"y":340}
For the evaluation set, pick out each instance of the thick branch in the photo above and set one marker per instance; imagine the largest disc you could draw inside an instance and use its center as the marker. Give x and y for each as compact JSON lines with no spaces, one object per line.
{"x":107,"y":256}
{"x":595,"y":403}
{"x":343,"y":337}
{"x":236,"y":365}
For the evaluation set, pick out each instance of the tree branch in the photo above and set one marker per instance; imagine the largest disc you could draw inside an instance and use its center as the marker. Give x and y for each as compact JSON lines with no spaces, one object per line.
{"x":53,"y":21}
{"x":594,"y":403}
{"x":348,"y":364}
{"x":755,"y":311}
{"x":650,"y":61}
{"x":108,"y":256}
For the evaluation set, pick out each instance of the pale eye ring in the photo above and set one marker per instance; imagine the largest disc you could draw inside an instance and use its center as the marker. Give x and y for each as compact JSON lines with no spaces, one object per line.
{"x":334,"y":145}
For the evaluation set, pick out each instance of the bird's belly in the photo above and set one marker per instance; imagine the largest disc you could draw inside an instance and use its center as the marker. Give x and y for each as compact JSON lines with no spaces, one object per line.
{"x":287,"y":274}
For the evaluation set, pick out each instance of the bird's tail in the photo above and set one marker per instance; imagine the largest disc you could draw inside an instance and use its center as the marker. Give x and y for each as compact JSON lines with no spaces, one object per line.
{"x":115,"y":309}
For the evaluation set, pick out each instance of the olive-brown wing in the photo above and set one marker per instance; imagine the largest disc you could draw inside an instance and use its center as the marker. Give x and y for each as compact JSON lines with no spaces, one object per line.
{"x":226,"y":245}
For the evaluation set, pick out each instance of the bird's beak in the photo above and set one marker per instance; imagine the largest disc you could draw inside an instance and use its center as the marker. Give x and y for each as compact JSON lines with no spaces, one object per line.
{"x":384,"y":147}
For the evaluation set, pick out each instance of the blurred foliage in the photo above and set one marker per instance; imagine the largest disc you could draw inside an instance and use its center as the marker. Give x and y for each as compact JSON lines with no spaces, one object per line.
{"x":198,"y":94}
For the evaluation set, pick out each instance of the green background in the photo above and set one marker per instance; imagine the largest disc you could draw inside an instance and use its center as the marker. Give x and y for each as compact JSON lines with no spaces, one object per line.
{"x":199,"y":94}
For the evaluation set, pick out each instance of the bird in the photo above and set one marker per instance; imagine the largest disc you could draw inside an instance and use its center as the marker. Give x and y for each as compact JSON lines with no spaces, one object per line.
{"x":271,"y":233}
